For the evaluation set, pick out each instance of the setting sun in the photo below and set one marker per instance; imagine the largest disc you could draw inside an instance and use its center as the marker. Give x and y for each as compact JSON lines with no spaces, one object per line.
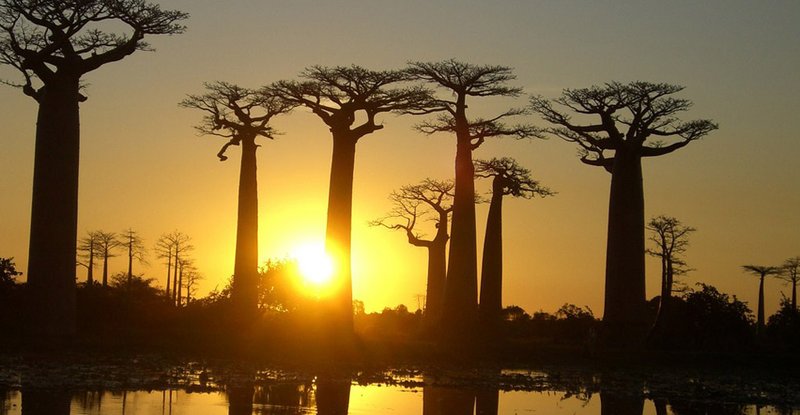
{"x":316,"y":267}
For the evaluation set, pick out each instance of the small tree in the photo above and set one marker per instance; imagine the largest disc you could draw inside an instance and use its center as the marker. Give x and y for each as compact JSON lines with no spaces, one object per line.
{"x":241,"y":115}
{"x":460,"y":82}
{"x":88,"y":250}
{"x":762,"y":272}
{"x":173,"y":246}
{"x":107,"y":242}
{"x":631,"y":122}
{"x":53,"y":44}
{"x":134,"y":245}
{"x":338,"y":96}
{"x":671,"y":239}
{"x":8,"y":271}
{"x":789,"y":274}
{"x":431,"y":200}
{"x":508,"y":179}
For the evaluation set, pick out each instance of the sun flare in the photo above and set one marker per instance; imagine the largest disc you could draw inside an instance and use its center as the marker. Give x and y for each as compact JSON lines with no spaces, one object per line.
{"x":316,"y":267}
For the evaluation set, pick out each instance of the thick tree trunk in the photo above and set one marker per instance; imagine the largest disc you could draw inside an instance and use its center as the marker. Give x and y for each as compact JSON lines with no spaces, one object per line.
{"x":492,"y":267}
{"x":437,"y":400}
{"x":437,"y":274}
{"x":487,"y":402}
{"x":45,"y":401}
{"x":657,"y":334}
{"x":760,"y":317}
{"x":130,"y":261}
{"x":338,"y":232}
{"x":105,"y":268}
{"x":240,"y":400}
{"x":90,"y":272}
{"x":169,"y":271}
{"x":54,"y":211}
{"x":625,"y":302}
{"x":460,"y":312}
{"x":175,"y":287}
{"x":244,"y":292}
{"x":794,"y":295}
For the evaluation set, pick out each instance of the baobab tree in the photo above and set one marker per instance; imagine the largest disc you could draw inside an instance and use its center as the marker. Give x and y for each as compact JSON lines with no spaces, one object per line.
{"x":241,"y":115}
{"x":430,"y":200}
{"x":173,"y":246}
{"x":134,"y":245}
{"x":339,"y":96}
{"x":671,"y":239}
{"x":762,"y":272}
{"x":632,"y":121}
{"x":88,"y":250}
{"x":107,"y":242}
{"x":508,"y":179}
{"x":53,"y":44}
{"x":462,"y":81}
{"x":789,"y":274}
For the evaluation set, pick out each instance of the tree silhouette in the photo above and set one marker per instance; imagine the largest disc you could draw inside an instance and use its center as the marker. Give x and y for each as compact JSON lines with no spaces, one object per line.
{"x":8,"y":271}
{"x":173,"y":246}
{"x":429,"y":200}
{"x":134,"y":245}
{"x":671,"y":239}
{"x":462,"y":81}
{"x":241,"y":115}
{"x":337,"y":96}
{"x":789,"y":274}
{"x":107,"y":242}
{"x":88,"y":250}
{"x":762,"y":272}
{"x":633,"y":120}
{"x":53,"y":44}
{"x":508,"y":179}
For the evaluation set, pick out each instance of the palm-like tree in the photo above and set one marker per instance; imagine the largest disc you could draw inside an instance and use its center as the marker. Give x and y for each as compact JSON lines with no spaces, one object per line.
{"x":762,"y":271}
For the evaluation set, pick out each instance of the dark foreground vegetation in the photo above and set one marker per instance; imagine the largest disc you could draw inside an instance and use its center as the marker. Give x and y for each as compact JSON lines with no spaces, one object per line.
{"x":131,"y":316}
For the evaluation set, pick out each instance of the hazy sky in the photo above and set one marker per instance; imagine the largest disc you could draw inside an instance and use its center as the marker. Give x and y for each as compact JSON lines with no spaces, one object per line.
{"x":143,"y":166}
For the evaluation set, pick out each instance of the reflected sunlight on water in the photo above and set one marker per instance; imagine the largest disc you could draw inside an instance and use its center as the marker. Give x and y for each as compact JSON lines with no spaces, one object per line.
{"x":362,"y":400}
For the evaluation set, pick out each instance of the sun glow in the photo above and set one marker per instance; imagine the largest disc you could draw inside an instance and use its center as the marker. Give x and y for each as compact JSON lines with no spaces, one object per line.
{"x":316,"y":266}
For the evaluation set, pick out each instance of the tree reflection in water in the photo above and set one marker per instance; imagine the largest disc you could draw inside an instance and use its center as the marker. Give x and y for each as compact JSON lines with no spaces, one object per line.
{"x":45,"y":401}
{"x":437,"y":400}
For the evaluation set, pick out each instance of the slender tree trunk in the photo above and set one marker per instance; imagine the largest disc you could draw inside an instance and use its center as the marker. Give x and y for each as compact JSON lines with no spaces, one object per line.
{"x":487,"y":402}
{"x":760,"y":318}
{"x":794,"y":295}
{"x":625,"y":302}
{"x":175,"y":287}
{"x":661,"y":406}
{"x":240,"y":400}
{"x":45,"y":401}
{"x":460,"y":311}
{"x":656,"y":335}
{"x":179,"y":284}
{"x":618,"y":404}
{"x":492,"y":267}
{"x":130,"y":259}
{"x":169,"y":271}
{"x":105,"y":267}
{"x":90,"y":272}
{"x":54,"y":211}
{"x":244,"y":292}
{"x":338,"y":232}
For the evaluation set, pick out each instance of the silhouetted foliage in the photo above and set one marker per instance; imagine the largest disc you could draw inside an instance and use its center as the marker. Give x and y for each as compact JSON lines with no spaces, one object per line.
{"x":789,"y":274}
{"x":461,"y":81}
{"x":431,"y":200}
{"x":279,"y":286}
{"x":174,"y":246}
{"x":134,"y":247}
{"x":8,"y":271}
{"x":88,"y":251}
{"x":53,"y":44}
{"x":337,"y":95}
{"x":762,"y":272}
{"x":712,"y":321}
{"x":508,"y":179}
{"x":632,"y":120}
{"x":783,"y":327}
{"x":241,"y":115}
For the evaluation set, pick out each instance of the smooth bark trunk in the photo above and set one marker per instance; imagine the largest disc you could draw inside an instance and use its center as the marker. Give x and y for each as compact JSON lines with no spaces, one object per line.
{"x":460,"y":312}
{"x":46,"y":401}
{"x":487,"y":402}
{"x":54,"y":211}
{"x":105,"y":268}
{"x":794,"y":295}
{"x":90,"y":272}
{"x":244,"y":292}
{"x":333,"y":397}
{"x":437,"y":274}
{"x":760,"y":318}
{"x":338,"y":231}
{"x":169,"y":271}
{"x":438,"y":400}
{"x":175,"y":286}
{"x":492,"y":267}
{"x":625,"y":316}
{"x":617,"y":404}
{"x":240,"y":400}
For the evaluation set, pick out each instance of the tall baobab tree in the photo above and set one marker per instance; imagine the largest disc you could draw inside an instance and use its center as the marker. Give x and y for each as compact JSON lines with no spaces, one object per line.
{"x":342,"y":97}
{"x":107,"y":242}
{"x":790,"y":275}
{"x":53,"y":44}
{"x":671,"y":239}
{"x":633,"y":121}
{"x":428,"y":200}
{"x":241,"y":115}
{"x":762,"y":272}
{"x":462,"y":81}
{"x":134,"y":245}
{"x":88,"y":250}
{"x":508,"y":179}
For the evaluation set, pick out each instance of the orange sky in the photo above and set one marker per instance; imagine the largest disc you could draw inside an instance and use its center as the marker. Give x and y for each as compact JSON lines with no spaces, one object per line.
{"x":144,"y":167}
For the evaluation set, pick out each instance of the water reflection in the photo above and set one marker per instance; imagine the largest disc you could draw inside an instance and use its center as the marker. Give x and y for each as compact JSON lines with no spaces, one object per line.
{"x":339,"y":397}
